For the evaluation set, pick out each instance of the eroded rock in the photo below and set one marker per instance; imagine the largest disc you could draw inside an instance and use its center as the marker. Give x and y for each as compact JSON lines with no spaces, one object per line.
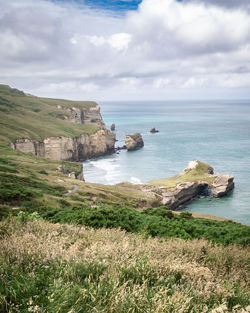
{"x":134,"y":142}
{"x":202,"y":183}
{"x":222,"y":185}
{"x":69,"y":149}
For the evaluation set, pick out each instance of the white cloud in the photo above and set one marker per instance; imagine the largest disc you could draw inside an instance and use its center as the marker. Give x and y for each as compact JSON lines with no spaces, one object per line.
{"x":120,"y":41}
{"x":173,"y":28}
{"x":165,"y":46}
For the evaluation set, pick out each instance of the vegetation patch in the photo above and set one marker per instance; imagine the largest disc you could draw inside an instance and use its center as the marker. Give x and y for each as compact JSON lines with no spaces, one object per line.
{"x":155,"y":222}
{"x":135,"y":136}
{"x":63,"y":268}
{"x":42,"y":118}
{"x":72,"y":167}
{"x":199,"y":173}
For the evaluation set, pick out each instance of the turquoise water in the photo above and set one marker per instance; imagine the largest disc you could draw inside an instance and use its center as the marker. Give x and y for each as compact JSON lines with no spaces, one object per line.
{"x":217,"y":133}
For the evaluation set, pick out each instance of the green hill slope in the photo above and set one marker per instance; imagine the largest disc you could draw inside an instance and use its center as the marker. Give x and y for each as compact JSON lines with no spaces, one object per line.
{"x":26,"y":116}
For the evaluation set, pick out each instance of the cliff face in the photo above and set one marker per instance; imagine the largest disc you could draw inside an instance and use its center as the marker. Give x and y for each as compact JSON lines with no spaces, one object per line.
{"x":72,"y":149}
{"x":91,"y":115}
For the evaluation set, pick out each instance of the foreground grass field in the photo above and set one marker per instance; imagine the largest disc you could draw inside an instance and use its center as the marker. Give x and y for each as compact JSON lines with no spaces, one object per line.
{"x":61,"y":268}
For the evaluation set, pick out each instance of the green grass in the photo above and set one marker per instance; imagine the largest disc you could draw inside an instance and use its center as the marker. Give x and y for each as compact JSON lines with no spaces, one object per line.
{"x":25,"y":116}
{"x":27,"y":181}
{"x":156,"y":222}
{"x":135,"y":136}
{"x":63,"y":268}
{"x":32,"y":184}
{"x":200,"y":173}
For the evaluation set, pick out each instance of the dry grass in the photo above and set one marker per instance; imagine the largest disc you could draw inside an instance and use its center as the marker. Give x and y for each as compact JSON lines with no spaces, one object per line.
{"x":127,"y":273}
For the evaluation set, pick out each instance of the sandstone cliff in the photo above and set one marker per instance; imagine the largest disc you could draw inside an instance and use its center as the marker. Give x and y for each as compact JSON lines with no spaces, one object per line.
{"x":78,"y":148}
{"x":89,"y":115}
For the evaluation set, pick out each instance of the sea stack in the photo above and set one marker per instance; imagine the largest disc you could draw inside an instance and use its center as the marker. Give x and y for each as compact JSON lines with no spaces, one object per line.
{"x":134,"y":142}
{"x":153,"y":130}
{"x":112,"y":127}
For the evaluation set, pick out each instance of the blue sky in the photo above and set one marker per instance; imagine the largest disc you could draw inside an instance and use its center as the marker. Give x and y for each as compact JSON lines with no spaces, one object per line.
{"x":115,"y":5}
{"x":111,"y":50}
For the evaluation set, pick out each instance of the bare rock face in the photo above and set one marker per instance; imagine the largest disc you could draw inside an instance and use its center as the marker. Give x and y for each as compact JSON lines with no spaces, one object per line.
{"x":222,"y":185}
{"x":134,"y":141}
{"x":70,"y":149}
{"x":84,"y":116}
{"x":73,"y":149}
{"x":182,"y":193}
{"x":173,"y":197}
{"x":91,"y":115}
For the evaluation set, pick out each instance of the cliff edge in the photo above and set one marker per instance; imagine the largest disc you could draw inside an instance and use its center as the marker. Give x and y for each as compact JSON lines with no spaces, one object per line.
{"x":56,"y":129}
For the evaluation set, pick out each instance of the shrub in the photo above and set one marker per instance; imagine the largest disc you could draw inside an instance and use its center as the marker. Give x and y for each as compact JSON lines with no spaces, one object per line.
{"x":186,"y":214}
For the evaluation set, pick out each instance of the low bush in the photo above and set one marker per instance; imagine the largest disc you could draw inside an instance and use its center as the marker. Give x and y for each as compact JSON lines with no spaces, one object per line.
{"x":152,"y":222}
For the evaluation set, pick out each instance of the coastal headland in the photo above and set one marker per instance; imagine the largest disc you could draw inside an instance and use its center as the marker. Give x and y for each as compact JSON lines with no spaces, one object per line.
{"x":64,"y":240}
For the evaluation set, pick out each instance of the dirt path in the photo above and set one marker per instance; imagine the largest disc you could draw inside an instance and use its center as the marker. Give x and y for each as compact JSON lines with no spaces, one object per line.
{"x":75,"y":187}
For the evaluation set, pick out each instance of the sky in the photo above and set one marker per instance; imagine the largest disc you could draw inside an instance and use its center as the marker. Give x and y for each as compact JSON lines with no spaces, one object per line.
{"x":126,"y":49}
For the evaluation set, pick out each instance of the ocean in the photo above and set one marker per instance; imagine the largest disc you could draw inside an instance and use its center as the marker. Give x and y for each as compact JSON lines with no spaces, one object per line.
{"x":214,"y":132}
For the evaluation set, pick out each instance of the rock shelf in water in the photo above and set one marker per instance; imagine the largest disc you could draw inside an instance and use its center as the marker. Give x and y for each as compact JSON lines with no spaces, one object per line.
{"x":196,"y":180}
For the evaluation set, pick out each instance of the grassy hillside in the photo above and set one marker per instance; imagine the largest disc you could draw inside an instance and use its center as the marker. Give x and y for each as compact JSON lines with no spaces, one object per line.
{"x":26,"y":116}
{"x":31,"y":183}
{"x":62,"y":268}
{"x":199,"y":173}
{"x":137,"y":257}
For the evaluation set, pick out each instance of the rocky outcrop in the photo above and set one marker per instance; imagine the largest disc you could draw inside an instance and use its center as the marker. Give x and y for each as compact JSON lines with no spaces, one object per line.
{"x":91,"y":115}
{"x":112,"y":127}
{"x":222,"y":185}
{"x":153,"y":130}
{"x":202,"y":183}
{"x":71,"y":149}
{"x":176,"y":196}
{"x":134,"y":142}
{"x":71,"y":175}
{"x":182,"y":193}
{"x":194,"y":166}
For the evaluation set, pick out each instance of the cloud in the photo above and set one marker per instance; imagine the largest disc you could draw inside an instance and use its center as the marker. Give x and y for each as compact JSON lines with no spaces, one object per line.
{"x":70,"y":50}
{"x":224,"y":3}
{"x":172,"y":28}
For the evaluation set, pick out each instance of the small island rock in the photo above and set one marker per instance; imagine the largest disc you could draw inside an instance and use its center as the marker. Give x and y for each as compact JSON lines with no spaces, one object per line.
{"x":197,"y":180}
{"x":112,"y":127}
{"x":134,"y":141}
{"x":222,"y":184}
{"x":153,"y":130}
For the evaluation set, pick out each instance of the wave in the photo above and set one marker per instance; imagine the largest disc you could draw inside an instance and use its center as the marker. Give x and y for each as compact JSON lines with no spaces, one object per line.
{"x":135,"y":180}
{"x":108,"y":173}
